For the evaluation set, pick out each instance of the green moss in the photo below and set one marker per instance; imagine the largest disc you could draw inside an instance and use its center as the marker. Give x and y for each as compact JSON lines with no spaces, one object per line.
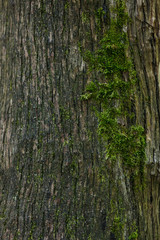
{"x":99,"y":16}
{"x":84,"y":17}
{"x":114,"y":92}
{"x":133,"y":235}
{"x":118,"y":227}
{"x":66,"y":6}
{"x":71,"y":223}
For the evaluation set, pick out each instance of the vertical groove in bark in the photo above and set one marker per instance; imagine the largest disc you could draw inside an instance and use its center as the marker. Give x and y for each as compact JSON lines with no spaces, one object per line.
{"x":144,"y":35}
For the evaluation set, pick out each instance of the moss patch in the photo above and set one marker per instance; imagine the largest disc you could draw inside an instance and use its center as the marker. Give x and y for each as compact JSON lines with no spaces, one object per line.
{"x":113,"y":95}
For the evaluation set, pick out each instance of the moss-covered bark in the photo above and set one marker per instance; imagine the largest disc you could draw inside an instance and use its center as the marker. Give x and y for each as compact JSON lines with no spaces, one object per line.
{"x":54,"y":179}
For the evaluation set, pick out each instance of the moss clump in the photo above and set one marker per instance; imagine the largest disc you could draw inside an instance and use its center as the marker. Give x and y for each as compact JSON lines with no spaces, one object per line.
{"x":114,"y":93}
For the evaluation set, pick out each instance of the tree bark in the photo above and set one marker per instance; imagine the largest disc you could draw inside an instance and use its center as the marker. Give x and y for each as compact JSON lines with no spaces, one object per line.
{"x":144,"y":38}
{"x":51,"y":181}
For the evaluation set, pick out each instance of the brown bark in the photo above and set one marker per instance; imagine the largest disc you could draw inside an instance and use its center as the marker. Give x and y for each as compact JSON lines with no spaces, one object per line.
{"x":144,"y":35}
{"x":50,"y":156}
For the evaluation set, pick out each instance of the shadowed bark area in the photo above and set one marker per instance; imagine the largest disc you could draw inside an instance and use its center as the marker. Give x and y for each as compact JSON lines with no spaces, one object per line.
{"x":51,"y":159}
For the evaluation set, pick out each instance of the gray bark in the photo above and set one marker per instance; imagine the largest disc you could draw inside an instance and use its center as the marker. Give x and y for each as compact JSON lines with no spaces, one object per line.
{"x":48,"y":139}
{"x":51,"y":158}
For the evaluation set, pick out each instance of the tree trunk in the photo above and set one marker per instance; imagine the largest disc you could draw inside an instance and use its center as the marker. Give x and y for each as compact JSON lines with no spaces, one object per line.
{"x":51,"y":181}
{"x":144,"y":38}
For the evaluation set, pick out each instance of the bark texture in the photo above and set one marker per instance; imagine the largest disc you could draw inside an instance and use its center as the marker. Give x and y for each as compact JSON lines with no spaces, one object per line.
{"x":49,"y":147}
{"x":51,"y":159}
{"x":144,"y":35}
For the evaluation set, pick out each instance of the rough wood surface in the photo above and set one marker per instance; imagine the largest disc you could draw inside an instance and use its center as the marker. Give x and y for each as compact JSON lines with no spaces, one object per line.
{"x":144,"y":35}
{"x":50,"y":155}
{"x":48,"y":140}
